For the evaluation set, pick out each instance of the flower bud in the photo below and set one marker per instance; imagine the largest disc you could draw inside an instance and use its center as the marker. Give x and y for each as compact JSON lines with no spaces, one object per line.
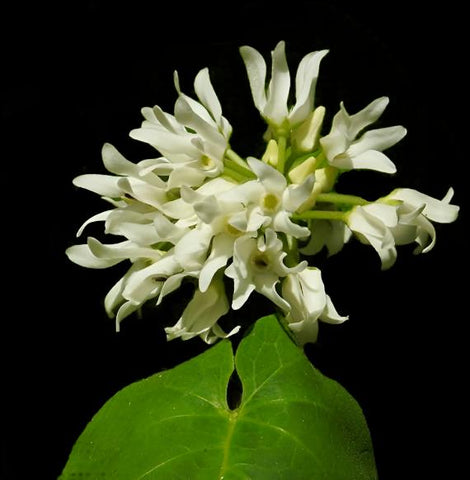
{"x":305,"y":137}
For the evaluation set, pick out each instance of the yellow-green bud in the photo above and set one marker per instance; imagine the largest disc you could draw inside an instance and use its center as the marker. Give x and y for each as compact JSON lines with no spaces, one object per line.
{"x":305,"y":137}
{"x":299,"y":173}
{"x":271,"y":154}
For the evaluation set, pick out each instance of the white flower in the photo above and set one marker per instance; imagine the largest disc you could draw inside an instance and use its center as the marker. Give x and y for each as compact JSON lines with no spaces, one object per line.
{"x":372,"y":225}
{"x":129,"y":179}
{"x":201,"y":315}
{"x":305,"y":293}
{"x":228,"y":215}
{"x":343,"y":150}
{"x":273,"y":102}
{"x":258,"y":266}
{"x":332,"y":234}
{"x":415,"y":213}
{"x":193,"y":141}
{"x":277,"y":200}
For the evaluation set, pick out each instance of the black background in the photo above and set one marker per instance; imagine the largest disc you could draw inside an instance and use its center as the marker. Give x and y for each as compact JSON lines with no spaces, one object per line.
{"x":76,"y":75}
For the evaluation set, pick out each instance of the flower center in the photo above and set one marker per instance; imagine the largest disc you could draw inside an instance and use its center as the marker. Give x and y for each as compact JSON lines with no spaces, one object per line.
{"x":260,"y":261}
{"x":207,"y":163}
{"x":270,"y":201}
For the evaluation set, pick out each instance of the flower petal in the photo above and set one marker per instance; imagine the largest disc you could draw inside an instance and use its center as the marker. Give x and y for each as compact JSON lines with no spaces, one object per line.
{"x":221,"y":251}
{"x":265,"y":284}
{"x":192,"y":248}
{"x":278,"y":88}
{"x":295,"y":195}
{"x":379,"y":139}
{"x":367,"y":116}
{"x":150,"y":279}
{"x":282,"y":223}
{"x":81,"y":255}
{"x":104,"y":185}
{"x":330,"y":315}
{"x":117,"y":163}
{"x":206,"y":94}
{"x":99,"y":217}
{"x":201,"y":313}
{"x":305,"y":83}
{"x":256,"y":71}
{"x":271,"y":179}
{"x":205,"y":129}
{"x":369,"y":160}
{"x":436,"y":210}
{"x":121,"y":251}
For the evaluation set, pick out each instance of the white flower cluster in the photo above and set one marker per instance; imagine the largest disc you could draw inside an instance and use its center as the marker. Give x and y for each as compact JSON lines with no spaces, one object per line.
{"x":198,"y":211}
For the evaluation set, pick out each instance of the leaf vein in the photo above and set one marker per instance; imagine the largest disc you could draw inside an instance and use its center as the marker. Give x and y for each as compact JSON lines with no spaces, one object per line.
{"x":176,"y":457}
{"x":284,"y":432}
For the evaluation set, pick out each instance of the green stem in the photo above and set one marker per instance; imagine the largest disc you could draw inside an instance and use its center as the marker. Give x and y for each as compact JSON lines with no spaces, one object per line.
{"x":235,"y":158}
{"x":234,"y":175}
{"x":231,"y":165}
{"x":281,"y":159}
{"x":341,"y":199}
{"x":320,"y":215}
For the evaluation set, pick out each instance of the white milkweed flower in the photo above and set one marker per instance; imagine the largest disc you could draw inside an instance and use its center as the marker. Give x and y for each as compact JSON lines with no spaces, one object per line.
{"x":272,"y":102}
{"x":372,"y":224}
{"x":402,"y":217}
{"x":309,"y":303}
{"x":345,"y":151}
{"x":277,"y":200}
{"x":201,"y":315}
{"x":258,"y":266}
{"x":416,"y":212}
{"x":193,"y":141}
{"x":326,"y":233}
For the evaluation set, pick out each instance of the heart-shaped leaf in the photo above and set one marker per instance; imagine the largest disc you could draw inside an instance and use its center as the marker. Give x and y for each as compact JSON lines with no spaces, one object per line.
{"x":292,"y":422}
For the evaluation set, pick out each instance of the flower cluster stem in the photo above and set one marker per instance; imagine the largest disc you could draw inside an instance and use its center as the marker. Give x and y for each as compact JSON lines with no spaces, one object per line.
{"x":236,"y":168}
{"x":320,"y":215}
{"x":339,"y":198}
{"x":232,"y":155}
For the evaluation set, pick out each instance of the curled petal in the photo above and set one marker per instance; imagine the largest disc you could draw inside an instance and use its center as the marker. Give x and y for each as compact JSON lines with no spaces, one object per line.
{"x":330,"y":315}
{"x":282,"y":223}
{"x":100,"y":217}
{"x":121,"y":251}
{"x":150,"y":279}
{"x":366,"y":116}
{"x":81,"y":255}
{"x":426,"y":236}
{"x":440,"y":211}
{"x":222,"y":250}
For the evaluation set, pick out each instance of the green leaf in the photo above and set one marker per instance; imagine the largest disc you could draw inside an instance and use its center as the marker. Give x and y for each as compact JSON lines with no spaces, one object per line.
{"x":292,"y":422}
